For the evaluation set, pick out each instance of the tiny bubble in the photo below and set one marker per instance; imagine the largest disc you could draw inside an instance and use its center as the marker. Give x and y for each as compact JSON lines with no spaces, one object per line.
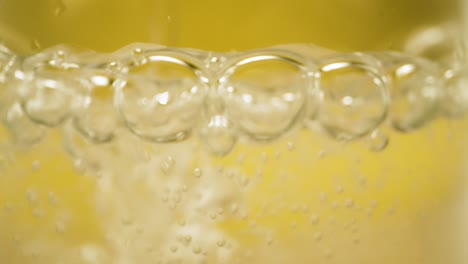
{"x":197,"y":172}
{"x":173,"y":249}
{"x":314,"y":219}
{"x":197,"y":250}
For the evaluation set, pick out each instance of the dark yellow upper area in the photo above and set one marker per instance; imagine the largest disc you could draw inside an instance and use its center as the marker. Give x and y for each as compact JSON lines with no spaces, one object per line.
{"x":225,"y":25}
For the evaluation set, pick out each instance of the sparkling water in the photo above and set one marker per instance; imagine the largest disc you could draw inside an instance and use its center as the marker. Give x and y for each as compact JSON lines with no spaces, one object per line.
{"x":289,"y":154}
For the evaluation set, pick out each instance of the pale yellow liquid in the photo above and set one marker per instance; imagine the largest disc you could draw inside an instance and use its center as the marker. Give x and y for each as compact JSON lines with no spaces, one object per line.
{"x":305,"y":198}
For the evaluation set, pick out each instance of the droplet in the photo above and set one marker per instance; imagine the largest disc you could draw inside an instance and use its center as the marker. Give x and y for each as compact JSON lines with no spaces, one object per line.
{"x":415,"y":90}
{"x":377,"y":141}
{"x":161,"y":107}
{"x":354,"y":97}
{"x":264,"y":94}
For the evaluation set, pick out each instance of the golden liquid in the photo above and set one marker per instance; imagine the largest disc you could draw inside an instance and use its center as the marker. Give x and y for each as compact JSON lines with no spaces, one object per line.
{"x":305,"y":198}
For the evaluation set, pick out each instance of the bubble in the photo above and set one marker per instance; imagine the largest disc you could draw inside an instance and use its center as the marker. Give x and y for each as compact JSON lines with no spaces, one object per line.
{"x":47,"y":100}
{"x":49,"y":85}
{"x":60,"y":227}
{"x":455,"y":103}
{"x":23,"y":130}
{"x":32,"y":196}
{"x":7,"y":62}
{"x":440,"y":43}
{"x":95,"y":115}
{"x":91,"y":254}
{"x":377,"y":141}
{"x":323,"y":197}
{"x":318,"y":236}
{"x":39,"y":213}
{"x":221,"y":243}
{"x":173,"y":249}
{"x":8,"y":86}
{"x":127,"y":220}
{"x":88,"y":155}
{"x":197,"y":172}
{"x":291,"y":146}
{"x":36,"y":165}
{"x":277,"y":154}
{"x":161,"y":97}
{"x":265,"y":94}
{"x":241,"y":159}
{"x":212,"y":216}
{"x":349,"y":203}
{"x":414,"y":90}
{"x":339,"y":189}
{"x":187,"y":240}
{"x":197,"y":250}
{"x":220,"y":211}
{"x":217,"y":132}
{"x":315,"y":219}
{"x":353,"y":94}
{"x":167,"y":165}
{"x":52,"y":197}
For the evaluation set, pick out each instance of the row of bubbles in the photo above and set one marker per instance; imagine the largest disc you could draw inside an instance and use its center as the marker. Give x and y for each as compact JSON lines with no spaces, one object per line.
{"x":166,"y":95}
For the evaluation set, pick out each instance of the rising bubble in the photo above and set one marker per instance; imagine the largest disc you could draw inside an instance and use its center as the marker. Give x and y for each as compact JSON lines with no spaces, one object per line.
{"x":353,"y":96}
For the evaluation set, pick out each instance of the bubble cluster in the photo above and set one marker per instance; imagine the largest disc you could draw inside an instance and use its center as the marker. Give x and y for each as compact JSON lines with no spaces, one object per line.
{"x":168,"y":95}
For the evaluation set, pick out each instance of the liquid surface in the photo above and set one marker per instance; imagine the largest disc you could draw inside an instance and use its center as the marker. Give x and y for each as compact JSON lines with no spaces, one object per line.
{"x":271,"y":165}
